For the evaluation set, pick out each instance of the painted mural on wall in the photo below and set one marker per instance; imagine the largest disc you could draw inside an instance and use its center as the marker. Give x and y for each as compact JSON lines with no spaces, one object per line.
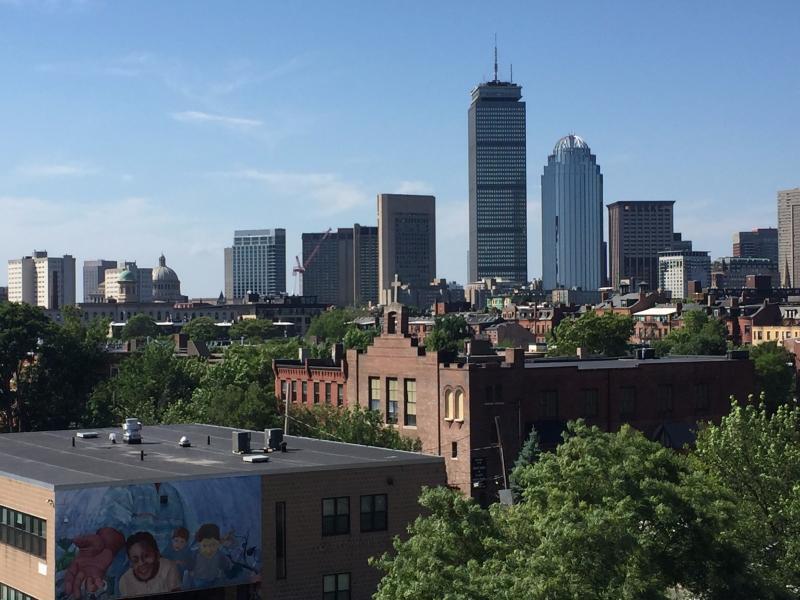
{"x":139,"y":540}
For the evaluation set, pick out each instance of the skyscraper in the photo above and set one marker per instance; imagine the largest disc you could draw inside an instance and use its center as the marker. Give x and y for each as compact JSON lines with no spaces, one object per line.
{"x":758,"y":243}
{"x":406,"y":240}
{"x":41,"y":280}
{"x":256,"y":263}
{"x":789,"y":236}
{"x":344,"y":270}
{"x":93,"y":275}
{"x":572,"y":217}
{"x":676,"y":268}
{"x":637,"y":232}
{"x":498,"y":238}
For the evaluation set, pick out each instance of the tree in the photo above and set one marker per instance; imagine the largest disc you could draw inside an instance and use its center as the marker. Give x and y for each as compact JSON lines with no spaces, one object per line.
{"x":21,"y":328}
{"x":528,"y":455}
{"x":140,"y":326}
{"x":774,"y":374}
{"x":359,"y":338}
{"x":448,"y":334}
{"x":754,"y":454}
{"x":252,"y":330}
{"x":332,"y":325}
{"x":607,"y":334}
{"x":700,"y":335}
{"x":202,"y":329}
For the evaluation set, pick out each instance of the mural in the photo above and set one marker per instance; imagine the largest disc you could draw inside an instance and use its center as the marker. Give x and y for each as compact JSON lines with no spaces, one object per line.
{"x":138,"y":540}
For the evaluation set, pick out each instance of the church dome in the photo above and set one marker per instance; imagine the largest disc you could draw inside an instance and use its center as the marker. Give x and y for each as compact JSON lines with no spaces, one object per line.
{"x":162,"y":273}
{"x":126,"y":276}
{"x":570,"y":142}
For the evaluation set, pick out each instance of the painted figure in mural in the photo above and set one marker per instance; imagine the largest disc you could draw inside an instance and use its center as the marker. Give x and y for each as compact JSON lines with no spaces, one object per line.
{"x":149,"y":572}
{"x":179,"y":551}
{"x":210,"y":564}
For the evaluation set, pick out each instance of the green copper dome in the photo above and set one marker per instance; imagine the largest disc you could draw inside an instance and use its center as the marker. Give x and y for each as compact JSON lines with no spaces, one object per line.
{"x":126,"y":276}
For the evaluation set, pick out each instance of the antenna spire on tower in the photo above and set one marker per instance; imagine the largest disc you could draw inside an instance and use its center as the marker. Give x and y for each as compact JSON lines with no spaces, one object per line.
{"x":495,"y":57}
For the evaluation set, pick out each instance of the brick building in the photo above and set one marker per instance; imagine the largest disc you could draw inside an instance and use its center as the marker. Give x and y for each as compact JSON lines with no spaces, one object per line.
{"x":301,"y":525}
{"x":456,"y":405}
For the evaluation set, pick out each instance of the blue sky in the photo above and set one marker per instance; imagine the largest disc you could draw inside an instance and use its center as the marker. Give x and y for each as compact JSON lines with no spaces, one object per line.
{"x":128,"y":128}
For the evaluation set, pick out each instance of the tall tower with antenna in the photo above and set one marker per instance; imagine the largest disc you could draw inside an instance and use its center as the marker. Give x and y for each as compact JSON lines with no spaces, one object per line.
{"x":498,"y":243}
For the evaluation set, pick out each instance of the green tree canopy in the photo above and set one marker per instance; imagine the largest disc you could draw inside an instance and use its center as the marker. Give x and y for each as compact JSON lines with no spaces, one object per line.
{"x":140,"y":326}
{"x":774,"y":373}
{"x":608,"y":334}
{"x":359,"y":338}
{"x":448,"y":334}
{"x":202,"y":329}
{"x":332,"y":325}
{"x":253,"y":330}
{"x":700,"y":335}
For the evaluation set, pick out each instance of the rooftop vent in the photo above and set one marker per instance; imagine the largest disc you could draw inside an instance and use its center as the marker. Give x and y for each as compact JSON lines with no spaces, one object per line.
{"x":86,"y":434}
{"x":184,"y":442}
{"x":255,"y":458}
{"x":132,"y":431}
{"x":273,"y":439}
{"x":241,"y":442}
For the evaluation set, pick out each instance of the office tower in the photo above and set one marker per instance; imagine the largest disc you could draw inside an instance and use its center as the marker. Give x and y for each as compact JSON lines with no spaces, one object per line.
{"x":731,"y":272}
{"x":42,"y":280}
{"x":94,"y":273}
{"x":498,"y":242}
{"x":676,"y":268}
{"x":406,"y":240}
{"x":679,"y":244}
{"x":758,"y":243}
{"x":127,"y":282}
{"x":637,"y":232}
{"x":789,"y":236}
{"x":3,"y":294}
{"x":256,"y":263}
{"x":572,"y":217}
{"x":343,"y":266}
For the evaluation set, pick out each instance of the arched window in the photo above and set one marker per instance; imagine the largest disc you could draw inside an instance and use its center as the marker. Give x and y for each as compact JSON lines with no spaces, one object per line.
{"x":448,"y":404}
{"x":458,"y":415}
{"x":392,"y":322}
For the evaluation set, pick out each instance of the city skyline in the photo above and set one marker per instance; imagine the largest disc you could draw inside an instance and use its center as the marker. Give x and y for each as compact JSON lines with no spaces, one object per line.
{"x":278,"y":127}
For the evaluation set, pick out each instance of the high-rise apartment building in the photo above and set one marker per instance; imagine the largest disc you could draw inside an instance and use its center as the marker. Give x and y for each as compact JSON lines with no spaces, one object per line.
{"x":94,"y":273}
{"x":498,"y":242}
{"x":676,"y":268}
{"x":572,"y":217}
{"x":344,"y":267}
{"x":758,"y":243}
{"x":256,"y":263}
{"x":789,"y":236}
{"x":637,"y":232}
{"x":41,"y":280}
{"x":406,"y":240}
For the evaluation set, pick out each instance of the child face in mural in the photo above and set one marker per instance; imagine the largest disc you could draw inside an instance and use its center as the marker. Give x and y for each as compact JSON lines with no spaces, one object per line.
{"x":209,"y":547}
{"x":179,"y":543}
{"x":144,"y":561}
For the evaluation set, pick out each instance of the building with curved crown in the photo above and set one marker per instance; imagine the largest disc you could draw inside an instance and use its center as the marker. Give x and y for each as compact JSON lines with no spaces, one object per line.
{"x":572,"y":217}
{"x":166,"y":284}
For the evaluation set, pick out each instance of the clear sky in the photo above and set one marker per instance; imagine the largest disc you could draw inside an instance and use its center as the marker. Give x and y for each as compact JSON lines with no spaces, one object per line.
{"x":128,"y":128}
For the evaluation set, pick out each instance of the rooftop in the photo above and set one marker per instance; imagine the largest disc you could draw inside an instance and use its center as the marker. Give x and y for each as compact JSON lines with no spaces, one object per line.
{"x":48,"y":459}
{"x":617,"y":363}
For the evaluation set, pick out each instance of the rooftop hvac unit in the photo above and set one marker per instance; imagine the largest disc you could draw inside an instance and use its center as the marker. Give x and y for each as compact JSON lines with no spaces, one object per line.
{"x":273,"y":439}
{"x":132,"y":431}
{"x":241,"y":442}
{"x":255,"y":458}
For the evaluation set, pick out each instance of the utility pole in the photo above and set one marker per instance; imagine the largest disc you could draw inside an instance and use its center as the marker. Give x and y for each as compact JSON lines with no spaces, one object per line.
{"x":286,"y":413}
{"x":502,"y":455}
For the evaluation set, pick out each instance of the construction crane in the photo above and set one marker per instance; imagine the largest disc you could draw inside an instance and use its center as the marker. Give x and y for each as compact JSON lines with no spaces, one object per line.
{"x":300,"y":268}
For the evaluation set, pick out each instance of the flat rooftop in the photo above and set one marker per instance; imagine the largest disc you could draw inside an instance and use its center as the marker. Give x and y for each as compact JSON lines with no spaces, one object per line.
{"x":48,"y":459}
{"x":620,"y":363}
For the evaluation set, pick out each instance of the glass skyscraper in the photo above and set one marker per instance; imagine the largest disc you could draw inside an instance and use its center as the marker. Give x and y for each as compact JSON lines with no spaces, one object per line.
{"x":256,"y":263}
{"x":498,"y":242}
{"x":572,"y":217}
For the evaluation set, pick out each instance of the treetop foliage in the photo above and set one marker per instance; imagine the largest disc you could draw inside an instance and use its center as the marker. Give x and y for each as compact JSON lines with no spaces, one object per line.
{"x":448,"y":334}
{"x":607,"y":334}
{"x":700,"y":335}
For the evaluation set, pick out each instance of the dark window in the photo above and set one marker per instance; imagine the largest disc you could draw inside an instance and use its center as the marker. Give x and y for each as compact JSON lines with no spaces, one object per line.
{"x":374,"y":512}
{"x":627,"y":402}
{"x":454,"y":449}
{"x":336,"y":587}
{"x":498,"y":393}
{"x":327,"y":393}
{"x":391,"y":400}
{"x":374,"y":393}
{"x":280,"y":540}
{"x":340,"y":394}
{"x":665,"y":399}
{"x":316,"y":392}
{"x":590,"y":402}
{"x":305,"y":391}
{"x":9,"y":593}
{"x":284,"y":390}
{"x":489,"y":394}
{"x":702,"y":400}
{"x":294,"y":391}
{"x":336,"y":515}
{"x":23,"y":531}
{"x":411,"y":402}
{"x":549,"y":404}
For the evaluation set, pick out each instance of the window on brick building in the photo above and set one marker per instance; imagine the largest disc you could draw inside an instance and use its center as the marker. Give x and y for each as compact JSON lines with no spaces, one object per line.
{"x":23,"y":531}
{"x":411,"y":402}
{"x":374,"y":512}
{"x":549,"y":404}
{"x":280,"y":540}
{"x":375,"y":394}
{"x":327,"y":392}
{"x":448,"y":405}
{"x":391,"y":400}
{"x":591,"y":402}
{"x":702,"y":398}
{"x":336,"y":515}
{"x":284,"y":390}
{"x":458,"y":413}
{"x":627,"y":402}
{"x":9,"y":593}
{"x":316,"y":392}
{"x":340,"y":395}
{"x":454,"y":450}
{"x":664,"y":399}
{"x":304,"y":392}
{"x":294,"y":391}
{"x":336,"y":587}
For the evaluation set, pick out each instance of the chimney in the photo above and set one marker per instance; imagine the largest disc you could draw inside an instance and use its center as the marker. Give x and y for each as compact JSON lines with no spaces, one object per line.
{"x":303,"y":354}
{"x":582,"y":353}
{"x":515,"y":356}
{"x":337,"y":353}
